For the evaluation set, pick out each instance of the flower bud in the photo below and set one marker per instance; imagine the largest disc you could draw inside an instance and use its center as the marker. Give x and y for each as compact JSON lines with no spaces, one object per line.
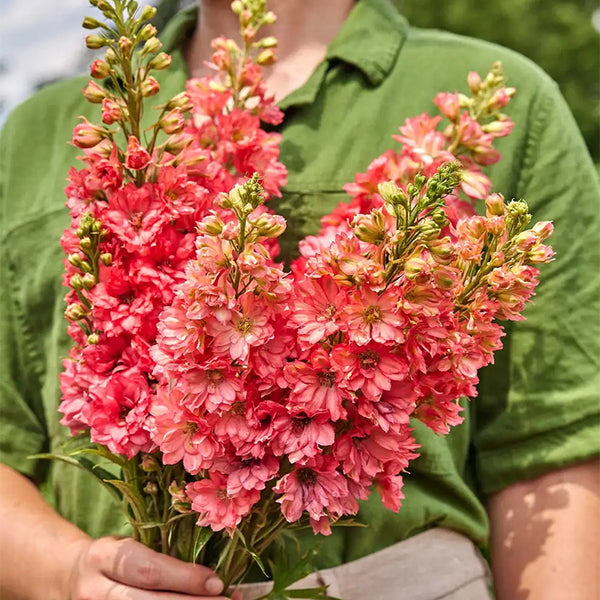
{"x":211,"y":225}
{"x":543,"y":229}
{"x":180,"y":101}
{"x":160,"y":61}
{"x":149,"y":87}
{"x":90,"y":23}
{"x":89,"y":281}
{"x":172,"y":122}
{"x":152,"y":45}
{"x":148,"y":12}
{"x":94,"y":41}
{"x":99,"y":69}
{"x":177,"y":142}
{"x":149,"y":464}
{"x":370,"y":228}
{"x":267,"y":42}
{"x":94,"y":93}
{"x":93,"y":339}
{"x":87,"y":135}
{"x":110,"y":56}
{"x":105,"y":7}
{"x":151,"y":488}
{"x":269,"y":18}
{"x":106,"y":259}
{"x":494,"y":205}
{"x":414,"y":266}
{"x":136,"y":157}
{"x":111,"y":111}
{"x":441,"y":249}
{"x":392,"y":194}
{"x":124,"y":44}
{"x":148,"y":32}
{"x":75,"y":260}
{"x":269,"y":226}
{"x":76,"y":282}
{"x":266,"y":58}
{"x":86,"y":243}
{"x":75,"y":312}
{"x":237,"y":7}
{"x":474,"y":81}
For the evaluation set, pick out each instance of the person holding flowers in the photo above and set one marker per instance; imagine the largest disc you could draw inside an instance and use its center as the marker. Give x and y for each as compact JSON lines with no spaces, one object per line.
{"x":348,"y":74}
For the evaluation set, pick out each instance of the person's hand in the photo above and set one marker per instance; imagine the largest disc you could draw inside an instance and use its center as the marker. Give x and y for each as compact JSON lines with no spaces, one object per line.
{"x":112,"y":568}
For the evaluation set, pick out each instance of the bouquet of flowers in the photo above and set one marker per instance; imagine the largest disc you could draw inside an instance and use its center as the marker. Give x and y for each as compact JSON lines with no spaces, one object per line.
{"x":235,"y":399}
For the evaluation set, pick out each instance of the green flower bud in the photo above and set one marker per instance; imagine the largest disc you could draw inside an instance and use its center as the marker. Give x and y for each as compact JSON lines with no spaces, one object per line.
{"x":86,"y":243}
{"x":160,"y":61}
{"x":93,"y":42}
{"x":152,"y":45}
{"x":93,"y":339}
{"x":76,"y":282}
{"x":90,"y":23}
{"x":148,"y":31}
{"x":106,"y":259}
{"x":148,"y":12}
{"x":75,"y":312}
{"x":151,"y":488}
{"x":89,"y":281}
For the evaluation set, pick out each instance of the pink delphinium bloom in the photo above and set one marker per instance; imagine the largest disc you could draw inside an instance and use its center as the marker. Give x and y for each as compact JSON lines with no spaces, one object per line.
{"x":213,"y":387}
{"x":180,"y":434}
{"x":316,"y":387}
{"x":248,"y":328}
{"x":371,"y":368}
{"x":217,"y":508}
{"x":119,"y":412}
{"x":369,"y":316}
{"x":300,"y":437}
{"x":316,"y":309}
{"x":252,"y":474}
{"x":318,"y":488}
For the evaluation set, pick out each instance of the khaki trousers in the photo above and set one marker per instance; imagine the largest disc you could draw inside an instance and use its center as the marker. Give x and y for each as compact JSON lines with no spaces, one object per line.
{"x":438,"y":564}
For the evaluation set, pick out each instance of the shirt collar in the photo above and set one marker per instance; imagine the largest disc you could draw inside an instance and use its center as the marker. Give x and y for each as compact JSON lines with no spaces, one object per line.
{"x":369,"y":40}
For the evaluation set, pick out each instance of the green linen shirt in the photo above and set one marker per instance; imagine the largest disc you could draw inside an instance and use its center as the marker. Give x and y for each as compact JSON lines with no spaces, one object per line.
{"x":537,"y":408}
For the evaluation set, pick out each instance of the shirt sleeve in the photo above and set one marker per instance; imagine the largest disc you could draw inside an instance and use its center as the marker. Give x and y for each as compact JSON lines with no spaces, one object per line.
{"x":539,"y":405}
{"x":22,"y":427}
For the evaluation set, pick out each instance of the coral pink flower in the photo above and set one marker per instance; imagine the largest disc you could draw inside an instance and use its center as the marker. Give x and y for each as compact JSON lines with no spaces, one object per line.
{"x":316,"y":310}
{"x":318,"y":488}
{"x":300,"y":437}
{"x":214,"y":386}
{"x":371,"y":368}
{"x":316,"y":387}
{"x":180,"y":434}
{"x":217,"y":508}
{"x":119,"y":413}
{"x":135,"y":215}
{"x":252,"y":474}
{"x":250,"y":327}
{"x":369,"y":316}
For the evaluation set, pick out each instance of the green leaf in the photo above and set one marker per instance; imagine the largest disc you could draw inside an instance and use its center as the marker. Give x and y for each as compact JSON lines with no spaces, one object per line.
{"x":202,"y":537}
{"x":285,"y":574}
{"x":252,"y":552}
{"x":93,"y":469}
{"x":114,"y":458}
{"x":133,"y":499}
{"x":317,"y":593}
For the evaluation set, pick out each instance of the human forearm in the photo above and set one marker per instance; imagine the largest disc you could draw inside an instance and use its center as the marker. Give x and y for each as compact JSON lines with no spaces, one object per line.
{"x":545,"y":536}
{"x":44,"y":557}
{"x":39,"y":547}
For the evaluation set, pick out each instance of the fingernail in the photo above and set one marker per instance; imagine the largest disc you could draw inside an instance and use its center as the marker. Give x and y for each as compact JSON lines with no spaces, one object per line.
{"x":213,"y":585}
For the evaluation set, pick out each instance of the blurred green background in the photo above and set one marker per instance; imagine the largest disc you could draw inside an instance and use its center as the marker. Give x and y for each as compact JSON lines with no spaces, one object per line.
{"x":559,"y":35}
